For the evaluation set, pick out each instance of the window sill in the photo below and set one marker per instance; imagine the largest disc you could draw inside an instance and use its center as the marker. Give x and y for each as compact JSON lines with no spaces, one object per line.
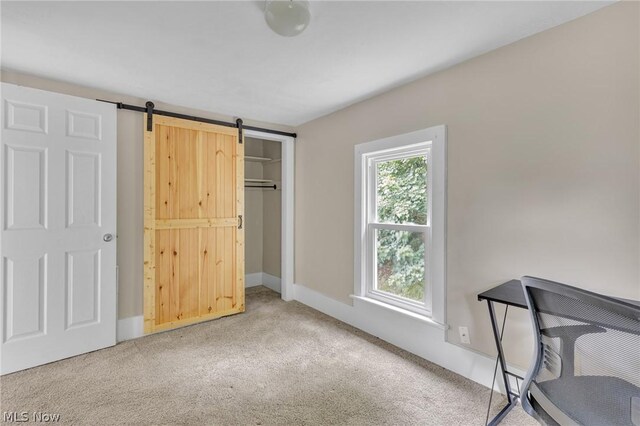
{"x":401,"y":311}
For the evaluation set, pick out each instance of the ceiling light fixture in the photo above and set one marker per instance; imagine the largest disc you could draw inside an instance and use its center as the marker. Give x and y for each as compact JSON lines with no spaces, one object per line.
{"x":287,"y":17}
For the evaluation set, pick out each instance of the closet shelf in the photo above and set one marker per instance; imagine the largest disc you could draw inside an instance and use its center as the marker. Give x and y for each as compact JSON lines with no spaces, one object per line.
{"x":258,"y":180}
{"x":256,"y":159}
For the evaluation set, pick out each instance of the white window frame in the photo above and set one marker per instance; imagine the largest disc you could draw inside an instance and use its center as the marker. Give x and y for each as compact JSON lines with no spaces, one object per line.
{"x":432,"y":143}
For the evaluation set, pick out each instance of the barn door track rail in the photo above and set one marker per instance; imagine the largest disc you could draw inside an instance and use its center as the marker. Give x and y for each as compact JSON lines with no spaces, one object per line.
{"x":150,"y":109}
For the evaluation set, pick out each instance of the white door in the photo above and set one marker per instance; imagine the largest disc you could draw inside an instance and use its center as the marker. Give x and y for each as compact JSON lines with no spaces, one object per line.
{"x":58,"y":223}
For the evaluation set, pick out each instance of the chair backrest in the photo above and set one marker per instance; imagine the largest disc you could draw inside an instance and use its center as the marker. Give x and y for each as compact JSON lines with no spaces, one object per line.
{"x":587,"y":356}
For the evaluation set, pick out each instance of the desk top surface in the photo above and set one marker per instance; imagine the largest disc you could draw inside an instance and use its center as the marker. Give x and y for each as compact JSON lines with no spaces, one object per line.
{"x":511,"y":293}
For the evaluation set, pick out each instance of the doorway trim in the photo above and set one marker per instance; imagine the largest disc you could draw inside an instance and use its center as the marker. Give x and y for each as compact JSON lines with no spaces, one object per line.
{"x":286,"y":256}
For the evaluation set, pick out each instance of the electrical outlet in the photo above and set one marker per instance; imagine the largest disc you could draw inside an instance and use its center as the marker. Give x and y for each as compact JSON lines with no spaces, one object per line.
{"x":464,"y":335}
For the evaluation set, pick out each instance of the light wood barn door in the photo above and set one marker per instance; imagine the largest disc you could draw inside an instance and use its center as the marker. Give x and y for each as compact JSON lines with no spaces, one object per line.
{"x":194,"y":241}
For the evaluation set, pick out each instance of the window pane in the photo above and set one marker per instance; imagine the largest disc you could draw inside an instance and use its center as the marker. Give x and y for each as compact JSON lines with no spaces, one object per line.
{"x":402,"y":190}
{"x":400,"y":263}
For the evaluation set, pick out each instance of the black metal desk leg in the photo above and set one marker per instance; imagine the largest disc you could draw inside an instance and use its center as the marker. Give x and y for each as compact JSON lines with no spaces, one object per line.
{"x":511,"y":401}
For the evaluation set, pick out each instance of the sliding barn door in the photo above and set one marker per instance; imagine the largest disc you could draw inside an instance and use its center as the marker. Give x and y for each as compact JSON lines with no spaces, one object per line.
{"x":194,"y":241}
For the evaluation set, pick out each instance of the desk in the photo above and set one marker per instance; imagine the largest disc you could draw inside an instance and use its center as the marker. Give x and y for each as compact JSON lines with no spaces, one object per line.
{"x":510,"y":293}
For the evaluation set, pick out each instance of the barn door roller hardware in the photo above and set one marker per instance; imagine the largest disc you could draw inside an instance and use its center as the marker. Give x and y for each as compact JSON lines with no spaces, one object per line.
{"x":149,"y":108}
{"x":239,"y":124}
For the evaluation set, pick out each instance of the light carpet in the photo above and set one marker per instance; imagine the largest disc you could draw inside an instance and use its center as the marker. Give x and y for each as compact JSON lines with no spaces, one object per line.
{"x":278,"y":363}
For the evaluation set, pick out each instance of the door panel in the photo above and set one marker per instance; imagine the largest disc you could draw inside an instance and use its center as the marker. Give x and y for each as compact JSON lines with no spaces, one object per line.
{"x":25,"y":289}
{"x":84,"y":125}
{"x":194,"y":251}
{"x":83,"y":287}
{"x":58,"y":192}
{"x":26,"y":116}
{"x":26,"y":190}
{"x":83,"y":189}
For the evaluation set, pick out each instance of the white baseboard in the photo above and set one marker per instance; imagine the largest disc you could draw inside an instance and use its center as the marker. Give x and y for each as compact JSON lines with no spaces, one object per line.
{"x":252,"y":280}
{"x":272,"y":282}
{"x":420,"y":337}
{"x":130,"y":328}
{"x":262,"y":278}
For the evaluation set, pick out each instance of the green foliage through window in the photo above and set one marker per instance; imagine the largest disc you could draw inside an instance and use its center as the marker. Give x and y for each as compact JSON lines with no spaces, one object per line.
{"x":402,"y":198}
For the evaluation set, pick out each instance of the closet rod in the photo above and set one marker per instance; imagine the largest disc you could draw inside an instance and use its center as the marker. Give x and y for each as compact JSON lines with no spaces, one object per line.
{"x":150,"y":108}
{"x":264,"y":187}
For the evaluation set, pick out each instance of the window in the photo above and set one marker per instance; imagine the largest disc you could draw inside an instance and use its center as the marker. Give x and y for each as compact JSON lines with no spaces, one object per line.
{"x":400,"y":221}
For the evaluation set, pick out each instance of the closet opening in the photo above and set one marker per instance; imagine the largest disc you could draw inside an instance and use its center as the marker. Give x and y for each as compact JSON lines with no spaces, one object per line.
{"x":268,"y":212}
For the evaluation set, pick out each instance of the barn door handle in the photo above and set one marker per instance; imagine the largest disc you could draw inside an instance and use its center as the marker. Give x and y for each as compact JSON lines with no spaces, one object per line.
{"x":239,"y":221}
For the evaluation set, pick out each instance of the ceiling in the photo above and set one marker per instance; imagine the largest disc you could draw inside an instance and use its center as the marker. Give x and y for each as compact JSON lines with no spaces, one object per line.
{"x":222,"y":57}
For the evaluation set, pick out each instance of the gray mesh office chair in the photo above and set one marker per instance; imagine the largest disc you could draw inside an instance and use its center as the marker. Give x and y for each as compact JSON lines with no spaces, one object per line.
{"x":587,"y":359}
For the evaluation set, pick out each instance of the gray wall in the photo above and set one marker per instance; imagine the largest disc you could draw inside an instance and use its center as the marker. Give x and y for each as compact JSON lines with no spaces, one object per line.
{"x":272,"y":247}
{"x":543,"y":170}
{"x":253,"y":209}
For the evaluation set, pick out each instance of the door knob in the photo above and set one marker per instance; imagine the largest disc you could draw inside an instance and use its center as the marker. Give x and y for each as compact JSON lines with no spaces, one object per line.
{"x":107,"y":237}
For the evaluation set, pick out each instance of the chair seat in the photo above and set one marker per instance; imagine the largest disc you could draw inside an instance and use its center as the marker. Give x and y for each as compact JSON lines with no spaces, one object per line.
{"x":594,"y":400}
